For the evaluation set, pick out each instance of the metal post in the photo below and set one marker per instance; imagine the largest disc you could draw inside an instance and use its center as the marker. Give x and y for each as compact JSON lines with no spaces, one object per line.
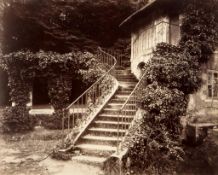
{"x":118,"y":131}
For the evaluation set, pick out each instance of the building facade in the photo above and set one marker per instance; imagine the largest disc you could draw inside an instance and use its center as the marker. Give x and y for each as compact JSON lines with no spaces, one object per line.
{"x":144,"y":40}
{"x":160,"y":21}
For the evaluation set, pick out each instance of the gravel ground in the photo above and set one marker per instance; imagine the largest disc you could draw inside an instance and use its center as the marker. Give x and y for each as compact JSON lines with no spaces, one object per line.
{"x":27,"y":154}
{"x":23,"y":154}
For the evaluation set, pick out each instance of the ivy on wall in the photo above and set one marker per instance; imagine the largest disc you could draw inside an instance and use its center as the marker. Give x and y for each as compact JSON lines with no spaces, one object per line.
{"x":23,"y":67}
{"x":171,"y":75}
{"x":198,"y":30}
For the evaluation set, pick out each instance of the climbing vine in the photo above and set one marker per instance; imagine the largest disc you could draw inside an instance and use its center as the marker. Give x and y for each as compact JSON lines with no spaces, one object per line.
{"x":23,"y":67}
{"x":171,"y":76}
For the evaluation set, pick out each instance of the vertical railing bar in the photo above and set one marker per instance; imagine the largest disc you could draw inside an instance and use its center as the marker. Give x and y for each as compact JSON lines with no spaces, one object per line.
{"x":118,"y":130}
{"x":124,"y":119}
{"x":73,"y":117}
{"x":68,"y":123}
{"x":86,"y":104}
{"x":80,"y":105}
{"x":95,"y":94}
{"x":125,"y":110}
{"x":63,"y":128}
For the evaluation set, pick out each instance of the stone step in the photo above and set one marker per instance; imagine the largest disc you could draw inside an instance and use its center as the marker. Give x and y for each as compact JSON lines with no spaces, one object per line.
{"x":114,"y":117}
{"x":123,"y":72}
{"x":117,"y":111}
{"x":124,"y":91}
{"x":127,"y":79}
{"x":121,"y":100}
{"x":124,"y":75}
{"x":110,"y":132}
{"x":119,"y":105}
{"x":91,"y":160}
{"x":96,"y":150}
{"x":100,"y":140}
{"x":121,"y":96}
{"x":126,"y":88}
{"x":121,"y":89}
{"x":110,"y":124}
{"x":127,"y":84}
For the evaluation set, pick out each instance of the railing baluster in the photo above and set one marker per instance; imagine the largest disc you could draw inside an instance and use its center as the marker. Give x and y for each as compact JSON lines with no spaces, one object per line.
{"x":132,"y":101}
{"x":118,"y":129}
{"x":73,"y":112}
{"x":92,"y":96}
{"x":68,"y":123}
{"x":63,"y":127}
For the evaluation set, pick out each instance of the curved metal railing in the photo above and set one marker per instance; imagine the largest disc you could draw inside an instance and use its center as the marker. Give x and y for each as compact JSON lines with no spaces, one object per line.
{"x":129,"y":108}
{"x":78,"y":113}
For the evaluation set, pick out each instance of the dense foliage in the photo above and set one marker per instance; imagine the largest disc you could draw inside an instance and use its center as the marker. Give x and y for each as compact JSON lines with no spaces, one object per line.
{"x":168,"y":59}
{"x":23,"y":67}
{"x":199,"y":30}
{"x":16,"y":119}
{"x":64,"y":26}
{"x":156,"y":139}
{"x":170,"y":76}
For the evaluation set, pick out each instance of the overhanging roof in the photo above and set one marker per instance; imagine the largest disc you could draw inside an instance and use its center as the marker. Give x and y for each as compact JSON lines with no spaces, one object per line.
{"x":149,"y":8}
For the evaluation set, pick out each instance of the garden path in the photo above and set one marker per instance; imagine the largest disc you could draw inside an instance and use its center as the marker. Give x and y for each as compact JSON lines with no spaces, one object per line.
{"x":20,"y":155}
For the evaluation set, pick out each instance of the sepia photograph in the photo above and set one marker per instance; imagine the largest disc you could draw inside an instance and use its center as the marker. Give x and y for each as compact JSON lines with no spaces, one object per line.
{"x":108,"y":87}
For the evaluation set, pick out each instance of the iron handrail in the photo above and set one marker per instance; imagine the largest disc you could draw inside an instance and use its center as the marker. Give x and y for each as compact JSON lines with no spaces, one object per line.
{"x":122,"y":113}
{"x":115,"y":62}
{"x":133,"y":91}
{"x":86,"y":106}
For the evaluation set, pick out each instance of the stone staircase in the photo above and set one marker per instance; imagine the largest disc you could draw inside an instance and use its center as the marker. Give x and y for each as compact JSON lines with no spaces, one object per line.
{"x":100,"y":139}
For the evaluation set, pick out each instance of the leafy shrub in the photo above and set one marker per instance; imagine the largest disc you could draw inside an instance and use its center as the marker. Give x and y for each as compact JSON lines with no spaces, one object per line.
{"x":54,"y":121}
{"x":154,"y":141}
{"x":17,"y":119}
{"x":168,"y":59}
{"x":22,"y":67}
{"x":59,"y":88}
{"x":153,"y":149}
{"x":164,"y":104}
{"x":198,"y":29}
{"x":170,"y":76}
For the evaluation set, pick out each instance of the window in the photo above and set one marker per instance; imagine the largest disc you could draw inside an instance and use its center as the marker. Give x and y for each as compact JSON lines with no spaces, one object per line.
{"x":174,"y":31}
{"x":212,"y":84}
